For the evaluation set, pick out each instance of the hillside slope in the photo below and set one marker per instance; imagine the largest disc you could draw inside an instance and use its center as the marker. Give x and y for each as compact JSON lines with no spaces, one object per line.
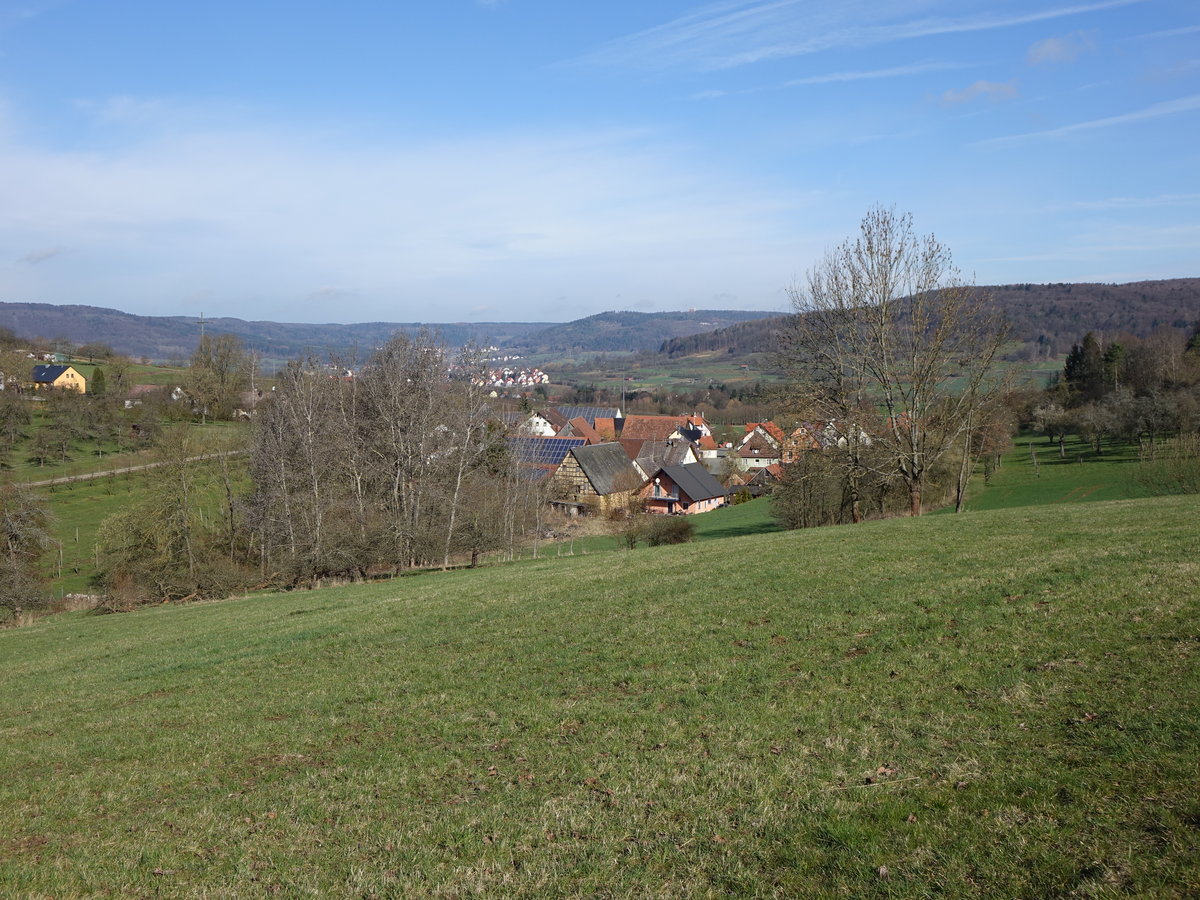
{"x":993,"y":704}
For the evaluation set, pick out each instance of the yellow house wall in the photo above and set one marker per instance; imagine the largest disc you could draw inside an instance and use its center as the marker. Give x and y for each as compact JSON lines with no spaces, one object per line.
{"x":69,"y":380}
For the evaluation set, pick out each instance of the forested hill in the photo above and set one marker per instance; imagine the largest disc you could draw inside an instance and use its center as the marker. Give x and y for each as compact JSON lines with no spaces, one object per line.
{"x":1048,"y":317}
{"x":612,"y":332}
{"x":175,"y":337}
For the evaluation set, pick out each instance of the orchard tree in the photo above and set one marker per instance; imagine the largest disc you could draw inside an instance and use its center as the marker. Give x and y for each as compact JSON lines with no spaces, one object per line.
{"x":889,"y":342}
{"x":24,"y":539}
{"x":217,"y":373}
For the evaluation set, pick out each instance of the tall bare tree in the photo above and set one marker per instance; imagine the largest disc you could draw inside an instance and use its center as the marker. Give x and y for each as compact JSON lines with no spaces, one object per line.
{"x":892,"y":344}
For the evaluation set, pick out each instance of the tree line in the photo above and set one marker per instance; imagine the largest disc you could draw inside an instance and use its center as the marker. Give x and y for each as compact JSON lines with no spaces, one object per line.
{"x":401,"y":466}
{"x":1130,"y":389}
{"x":894,"y":358}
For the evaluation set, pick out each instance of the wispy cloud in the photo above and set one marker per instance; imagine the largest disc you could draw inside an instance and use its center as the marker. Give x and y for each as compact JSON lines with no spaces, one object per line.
{"x":990,"y":90}
{"x":727,"y":35}
{"x":17,"y":13}
{"x":1064,"y":49}
{"x":1112,"y":241}
{"x":1118,"y":203}
{"x":123,"y":110}
{"x":1168,"y":33}
{"x":894,"y":72}
{"x":34,"y":257}
{"x":835,"y":78}
{"x":352,"y":231}
{"x":1156,"y":111}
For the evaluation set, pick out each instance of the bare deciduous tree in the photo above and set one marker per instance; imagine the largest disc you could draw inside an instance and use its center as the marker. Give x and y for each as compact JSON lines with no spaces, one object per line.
{"x":397,"y":468}
{"x":889,"y":338}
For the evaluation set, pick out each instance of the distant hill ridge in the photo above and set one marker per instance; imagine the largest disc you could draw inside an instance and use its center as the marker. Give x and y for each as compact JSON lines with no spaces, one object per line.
{"x":175,"y":337}
{"x":1049,"y":316}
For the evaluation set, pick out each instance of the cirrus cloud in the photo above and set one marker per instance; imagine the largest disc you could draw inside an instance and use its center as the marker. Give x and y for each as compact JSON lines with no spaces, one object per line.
{"x":1064,"y":49}
{"x":988,"y":90}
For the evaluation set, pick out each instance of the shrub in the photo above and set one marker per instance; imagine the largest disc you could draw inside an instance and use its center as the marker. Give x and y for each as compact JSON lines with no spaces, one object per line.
{"x":669,"y":530}
{"x":634,"y":530}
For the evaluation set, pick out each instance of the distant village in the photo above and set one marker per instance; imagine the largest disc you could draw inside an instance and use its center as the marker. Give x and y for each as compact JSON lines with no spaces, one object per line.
{"x":597,"y":459}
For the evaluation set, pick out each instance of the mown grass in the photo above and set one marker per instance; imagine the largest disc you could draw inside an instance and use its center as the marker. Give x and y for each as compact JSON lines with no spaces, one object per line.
{"x":992,"y":704}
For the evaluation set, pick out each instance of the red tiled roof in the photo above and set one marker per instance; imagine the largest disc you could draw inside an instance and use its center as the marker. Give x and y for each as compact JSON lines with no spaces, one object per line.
{"x":769,"y":427}
{"x":581,"y":428}
{"x":651,"y":428}
{"x":633,"y":446}
{"x":606,"y":428}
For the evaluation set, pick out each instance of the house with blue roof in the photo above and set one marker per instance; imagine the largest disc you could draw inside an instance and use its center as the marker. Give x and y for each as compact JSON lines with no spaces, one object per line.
{"x":62,"y":377}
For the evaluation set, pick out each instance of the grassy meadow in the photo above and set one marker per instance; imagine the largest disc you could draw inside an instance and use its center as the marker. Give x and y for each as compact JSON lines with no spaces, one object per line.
{"x":1034,"y":473}
{"x":1000,"y":703}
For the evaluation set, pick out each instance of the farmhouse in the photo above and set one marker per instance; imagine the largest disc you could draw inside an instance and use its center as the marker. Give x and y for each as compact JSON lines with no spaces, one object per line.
{"x":601,"y":474}
{"x":759,"y":447}
{"x":686,"y":489}
{"x":556,"y":419}
{"x":63,"y":377}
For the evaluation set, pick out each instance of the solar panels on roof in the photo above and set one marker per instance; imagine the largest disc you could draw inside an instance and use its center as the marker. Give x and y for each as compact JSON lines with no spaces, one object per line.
{"x":591,"y":413}
{"x":543,"y":451}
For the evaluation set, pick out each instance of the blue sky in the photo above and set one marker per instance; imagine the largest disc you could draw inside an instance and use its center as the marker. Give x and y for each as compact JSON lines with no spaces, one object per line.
{"x":542,"y":160}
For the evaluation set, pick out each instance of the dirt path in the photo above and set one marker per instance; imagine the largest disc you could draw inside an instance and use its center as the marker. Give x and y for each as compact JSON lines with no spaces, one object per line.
{"x":108,"y":473}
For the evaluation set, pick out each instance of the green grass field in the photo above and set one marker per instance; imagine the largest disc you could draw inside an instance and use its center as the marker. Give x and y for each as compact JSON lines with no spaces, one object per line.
{"x":1001,"y":703}
{"x":1030,"y":478}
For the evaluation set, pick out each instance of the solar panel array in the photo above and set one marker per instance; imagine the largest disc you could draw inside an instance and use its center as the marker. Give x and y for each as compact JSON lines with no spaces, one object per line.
{"x":591,"y":413}
{"x":543,"y":451}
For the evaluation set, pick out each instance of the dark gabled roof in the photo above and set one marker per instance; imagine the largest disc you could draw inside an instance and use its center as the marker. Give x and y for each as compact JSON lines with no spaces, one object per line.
{"x":767,"y":474}
{"x":48,"y":374}
{"x":769,"y":428}
{"x":695,"y":481}
{"x":556,"y":419}
{"x":607,"y":467}
{"x":653,"y":454}
{"x":543,"y":451}
{"x":591,"y":413}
